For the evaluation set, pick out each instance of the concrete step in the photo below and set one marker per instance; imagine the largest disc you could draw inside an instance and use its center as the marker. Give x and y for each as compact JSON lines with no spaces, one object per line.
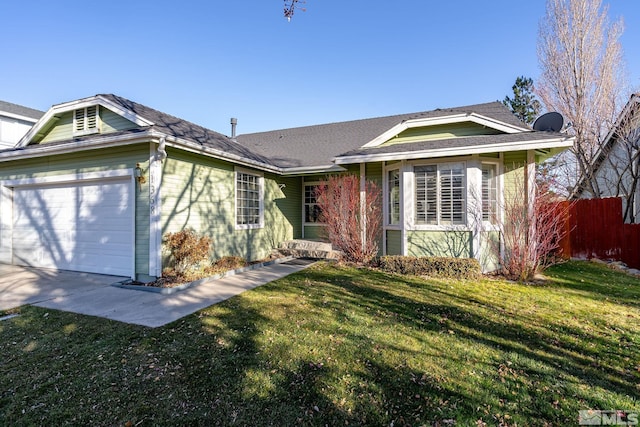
{"x":308,"y":249}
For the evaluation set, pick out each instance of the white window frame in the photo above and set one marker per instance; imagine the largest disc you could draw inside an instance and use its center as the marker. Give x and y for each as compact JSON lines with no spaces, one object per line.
{"x":386,"y":199}
{"x":260,"y":176}
{"x":305,"y":204}
{"x":498,"y":187}
{"x":414,"y":225}
{"x":86,"y":130}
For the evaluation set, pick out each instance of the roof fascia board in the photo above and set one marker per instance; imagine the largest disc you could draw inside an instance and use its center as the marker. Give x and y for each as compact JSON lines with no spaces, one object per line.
{"x":115,"y":141}
{"x":450,"y":119}
{"x":17,"y":116}
{"x":304,"y":170}
{"x":77,"y":104}
{"x":70,"y":147}
{"x":461,"y":151}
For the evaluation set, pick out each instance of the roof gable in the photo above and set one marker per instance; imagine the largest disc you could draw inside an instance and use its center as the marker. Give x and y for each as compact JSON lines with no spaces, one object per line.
{"x":57,"y":124}
{"x":441,"y":131}
{"x":125,"y":119}
{"x":452,"y":121}
{"x":626,"y":127}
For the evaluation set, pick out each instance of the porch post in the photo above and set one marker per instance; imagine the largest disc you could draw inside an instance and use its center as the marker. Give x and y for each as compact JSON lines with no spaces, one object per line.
{"x":363,"y":200}
{"x":530,"y":188}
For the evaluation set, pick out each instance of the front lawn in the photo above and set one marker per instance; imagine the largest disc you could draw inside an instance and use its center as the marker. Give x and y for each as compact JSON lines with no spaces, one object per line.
{"x":340,"y":346}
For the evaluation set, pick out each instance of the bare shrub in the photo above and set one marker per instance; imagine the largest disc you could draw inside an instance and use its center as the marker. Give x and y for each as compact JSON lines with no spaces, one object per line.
{"x":353,"y":221}
{"x":188,"y":249}
{"x":531,"y":231}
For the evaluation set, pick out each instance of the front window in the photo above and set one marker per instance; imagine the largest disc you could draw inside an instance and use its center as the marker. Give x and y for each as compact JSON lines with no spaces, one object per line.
{"x":440,"y":194}
{"x":249,"y":200}
{"x":393,"y":207}
{"x":311,"y":208}
{"x":489,"y":193}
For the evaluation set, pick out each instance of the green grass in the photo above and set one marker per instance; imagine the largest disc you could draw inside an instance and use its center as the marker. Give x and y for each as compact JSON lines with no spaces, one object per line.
{"x":340,"y":346}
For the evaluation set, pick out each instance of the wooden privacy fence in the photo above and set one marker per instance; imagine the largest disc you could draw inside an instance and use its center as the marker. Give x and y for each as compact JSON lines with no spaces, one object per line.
{"x":595,"y":230}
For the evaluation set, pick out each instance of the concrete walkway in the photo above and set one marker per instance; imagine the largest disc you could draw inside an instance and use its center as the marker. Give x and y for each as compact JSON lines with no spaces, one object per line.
{"x":153,"y":309}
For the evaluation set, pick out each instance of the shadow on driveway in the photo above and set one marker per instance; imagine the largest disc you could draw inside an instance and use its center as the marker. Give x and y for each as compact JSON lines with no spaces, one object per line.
{"x":28,"y":285}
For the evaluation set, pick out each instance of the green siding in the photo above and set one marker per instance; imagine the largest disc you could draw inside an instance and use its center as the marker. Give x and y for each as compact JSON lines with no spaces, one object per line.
{"x":95,"y":161}
{"x":112,"y":122}
{"x":455,"y":244}
{"x":373,"y":172}
{"x":394,"y":242}
{"x":436,"y":132}
{"x":62,"y":129}
{"x":314,"y":232}
{"x":198,"y":192}
{"x":490,"y":250}
{"x":514,"y":164}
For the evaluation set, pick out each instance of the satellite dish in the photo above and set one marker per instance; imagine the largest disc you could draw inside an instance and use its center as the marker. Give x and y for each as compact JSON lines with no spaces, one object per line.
{"x":549,"y":122}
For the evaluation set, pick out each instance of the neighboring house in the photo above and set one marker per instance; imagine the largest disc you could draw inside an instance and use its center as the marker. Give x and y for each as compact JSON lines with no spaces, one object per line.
{"x":617,"y":166}
{"x":15,"y":121}
{"x":97,"y":182}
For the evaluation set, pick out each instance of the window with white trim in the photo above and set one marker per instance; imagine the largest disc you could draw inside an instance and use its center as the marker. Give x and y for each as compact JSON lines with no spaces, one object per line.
{"x":85,"y":120}
{"x":440,"y":194}
{"x":311,"y":208}
{"x":393,"y":197}
{"x":249,"y":200}
{"x":490,"y":193}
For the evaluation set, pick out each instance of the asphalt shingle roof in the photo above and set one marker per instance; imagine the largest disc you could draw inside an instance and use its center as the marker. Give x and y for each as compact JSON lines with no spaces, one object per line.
{"x":20,"y":110}
{"x":180,"y":128}
{"x":318,"y":145}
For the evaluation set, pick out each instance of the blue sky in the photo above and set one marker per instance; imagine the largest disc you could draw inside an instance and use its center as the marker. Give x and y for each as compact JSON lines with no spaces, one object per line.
{"x":206,"y":61}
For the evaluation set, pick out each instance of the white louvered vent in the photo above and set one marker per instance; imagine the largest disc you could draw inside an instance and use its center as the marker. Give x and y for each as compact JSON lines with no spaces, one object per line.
{"x":79,"y":120}
{"x":86,"y":120}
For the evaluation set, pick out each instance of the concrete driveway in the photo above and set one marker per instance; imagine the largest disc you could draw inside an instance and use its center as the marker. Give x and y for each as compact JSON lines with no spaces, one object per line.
{"x":26,"y":285}
{"x":91,"y":294}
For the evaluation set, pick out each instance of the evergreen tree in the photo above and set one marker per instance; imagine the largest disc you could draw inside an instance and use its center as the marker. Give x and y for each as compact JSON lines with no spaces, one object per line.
{"x":524,"y":104}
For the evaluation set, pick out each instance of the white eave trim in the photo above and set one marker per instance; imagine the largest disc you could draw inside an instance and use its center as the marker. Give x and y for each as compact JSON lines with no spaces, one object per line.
{"x":458,"y":151}
{"x":301,"y":170}
{"x":454,"y":118}
{"x":59,"y":109}
{"x":107,"y":140}
{"x":42,"y":150}
{"x":18,"y":117}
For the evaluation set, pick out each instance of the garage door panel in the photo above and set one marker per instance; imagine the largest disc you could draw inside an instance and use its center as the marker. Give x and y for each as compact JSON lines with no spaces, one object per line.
{"x":84,"y":226}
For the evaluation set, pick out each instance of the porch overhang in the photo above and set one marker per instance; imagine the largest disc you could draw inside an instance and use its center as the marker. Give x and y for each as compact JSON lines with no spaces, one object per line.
{"x":550,"y":145}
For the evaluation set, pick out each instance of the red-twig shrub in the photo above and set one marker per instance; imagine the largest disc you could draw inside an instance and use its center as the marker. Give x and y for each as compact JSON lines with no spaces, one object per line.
{"x":352,"y":222}
{"x":531,"y":232}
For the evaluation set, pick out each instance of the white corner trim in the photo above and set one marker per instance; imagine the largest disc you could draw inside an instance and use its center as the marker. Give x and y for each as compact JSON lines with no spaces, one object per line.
{"x":155,"y":210}
{"x":453,"y":118}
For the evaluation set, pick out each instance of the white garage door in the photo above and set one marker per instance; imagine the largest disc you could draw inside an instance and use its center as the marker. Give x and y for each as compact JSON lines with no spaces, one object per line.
{"x":82,"y":226}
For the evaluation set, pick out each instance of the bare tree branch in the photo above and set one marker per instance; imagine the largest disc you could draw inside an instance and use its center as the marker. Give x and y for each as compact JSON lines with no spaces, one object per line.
{"x":582,"y":77}
{"x":290,"y":7}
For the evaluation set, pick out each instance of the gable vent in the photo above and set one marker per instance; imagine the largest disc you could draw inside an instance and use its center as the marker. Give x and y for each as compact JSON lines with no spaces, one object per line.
{"x":85,"y":120}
